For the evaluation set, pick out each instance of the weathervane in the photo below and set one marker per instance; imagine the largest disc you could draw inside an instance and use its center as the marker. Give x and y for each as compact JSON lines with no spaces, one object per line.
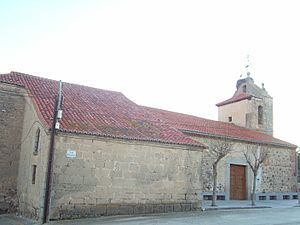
{"x":248,"y":65}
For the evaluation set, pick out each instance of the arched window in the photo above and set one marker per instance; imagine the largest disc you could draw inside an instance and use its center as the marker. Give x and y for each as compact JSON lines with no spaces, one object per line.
{"x":244,"y":88}
{"x":36,"y":141}
{"x":260,"y":115}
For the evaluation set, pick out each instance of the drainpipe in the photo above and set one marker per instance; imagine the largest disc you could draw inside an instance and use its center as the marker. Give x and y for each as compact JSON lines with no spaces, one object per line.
{"x":49,"y":175}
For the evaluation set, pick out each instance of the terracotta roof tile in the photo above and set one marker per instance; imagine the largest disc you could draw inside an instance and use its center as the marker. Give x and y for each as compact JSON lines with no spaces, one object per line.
{"x":235,"y":98}
{"x":196,"y":125}
{"x":92,"y":111}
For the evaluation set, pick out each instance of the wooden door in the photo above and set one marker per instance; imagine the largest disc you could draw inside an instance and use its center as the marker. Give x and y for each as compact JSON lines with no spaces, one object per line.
{"x":238,"y":182}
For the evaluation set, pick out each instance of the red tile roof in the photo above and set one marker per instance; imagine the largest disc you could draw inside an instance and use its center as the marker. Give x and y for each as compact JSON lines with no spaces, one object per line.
{"x":235,"y":98}
{"x":92,"y":111}
{"x":196,"y":125}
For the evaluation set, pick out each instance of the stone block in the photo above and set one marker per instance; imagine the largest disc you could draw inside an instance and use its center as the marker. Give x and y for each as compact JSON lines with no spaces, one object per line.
{"x":186,"y":206}
{"x":91,"y":200}
{"x":158,"y":208}
{"x":108,"y":164}
{"x":148,"y":208}
{"x":196,"y":206}
{"x":139,"y":209}
{"x":77,"y":201}
{"x":71,"y":179}
{"x":126,"y":210}
{"x":103,"y":200}
{"x":98,"y":210}
{"x":177,"y":207}
{"x":89,"y":180}
{"x":169,"y":208}
{"x":65,"y":214}
{"x":4,"y":206}
{"x":133,"y":166}
{"x":112,"y":209}
{"x":118,"y":182}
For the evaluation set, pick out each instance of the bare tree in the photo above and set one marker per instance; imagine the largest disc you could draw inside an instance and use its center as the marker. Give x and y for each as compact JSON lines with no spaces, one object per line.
{"x":255,"y":157}
{"x":218,"y":150}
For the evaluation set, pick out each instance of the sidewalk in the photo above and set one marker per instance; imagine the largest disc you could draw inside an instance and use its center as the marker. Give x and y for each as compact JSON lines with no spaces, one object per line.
{"x":246,"y":204}
{"x":7,"y":219}
{"x":206,"y":206}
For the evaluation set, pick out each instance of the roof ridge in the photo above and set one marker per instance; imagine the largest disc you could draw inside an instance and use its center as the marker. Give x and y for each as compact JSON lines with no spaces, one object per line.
{"x":185,"y":114}
{"x":181,"y":113}
{"x":48,"y":79}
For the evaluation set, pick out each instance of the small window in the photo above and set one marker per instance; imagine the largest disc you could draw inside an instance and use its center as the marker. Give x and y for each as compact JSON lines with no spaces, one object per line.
{"x":262,"y":197}
{"x":37,"y":141}
{"x":295,"y":197}
{"x":207,"y":197}
{"x":33,"y":174}
{"x":286,"y":197}
{"x":244,"y":88}
{"x":220,"y":197}
{"x":260,"y":115}
{"x":230,"y":119}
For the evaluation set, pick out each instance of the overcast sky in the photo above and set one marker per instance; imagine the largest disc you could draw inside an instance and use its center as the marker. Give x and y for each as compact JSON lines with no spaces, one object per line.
{"x":183,"y":56}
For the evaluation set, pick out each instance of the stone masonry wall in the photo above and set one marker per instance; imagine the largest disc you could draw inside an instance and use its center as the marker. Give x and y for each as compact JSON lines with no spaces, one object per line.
{"x":279,"y":171}
{"x":223,"y":181}
{"x":11,"y":121}
{"x":277,"y":174}
{"x":109,"y":177}
{"x":31,"y":194}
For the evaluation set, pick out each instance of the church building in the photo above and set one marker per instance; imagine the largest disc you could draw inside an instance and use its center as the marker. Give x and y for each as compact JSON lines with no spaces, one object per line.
{"x":93,"y":152}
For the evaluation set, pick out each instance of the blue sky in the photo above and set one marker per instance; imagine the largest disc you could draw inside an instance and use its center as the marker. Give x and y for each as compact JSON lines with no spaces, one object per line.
{"x":184,"y":56}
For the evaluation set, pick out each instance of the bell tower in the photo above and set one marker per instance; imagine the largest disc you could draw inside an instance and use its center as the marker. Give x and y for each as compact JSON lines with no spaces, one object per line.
{"x":251,"y":106}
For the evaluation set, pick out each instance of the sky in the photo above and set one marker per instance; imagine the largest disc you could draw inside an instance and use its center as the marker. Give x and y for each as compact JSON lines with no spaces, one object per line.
{"x":179,"y":55}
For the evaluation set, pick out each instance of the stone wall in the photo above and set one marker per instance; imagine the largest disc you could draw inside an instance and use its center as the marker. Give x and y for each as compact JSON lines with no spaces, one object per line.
{"x":277,"y":174}
{"x":11,"y":121}
{"x":223,"y":182}
{"x":279,"y":171}
{"x":31,"y":194}
{"x":110,"y":176}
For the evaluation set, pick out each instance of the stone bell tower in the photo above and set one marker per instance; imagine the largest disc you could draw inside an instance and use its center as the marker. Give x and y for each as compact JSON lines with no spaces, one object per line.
{"x":251,"y":106}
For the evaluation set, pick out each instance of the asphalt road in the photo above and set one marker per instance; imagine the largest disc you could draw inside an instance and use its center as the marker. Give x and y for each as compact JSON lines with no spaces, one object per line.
{"x":274,"y":216}
{"x":265,"y":216}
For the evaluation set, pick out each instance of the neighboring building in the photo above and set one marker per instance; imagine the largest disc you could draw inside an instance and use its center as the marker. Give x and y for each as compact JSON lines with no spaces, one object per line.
{"x":113,"y":156}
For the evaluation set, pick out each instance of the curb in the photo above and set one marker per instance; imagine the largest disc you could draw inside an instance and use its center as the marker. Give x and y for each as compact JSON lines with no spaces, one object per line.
{"x":230,"y":208}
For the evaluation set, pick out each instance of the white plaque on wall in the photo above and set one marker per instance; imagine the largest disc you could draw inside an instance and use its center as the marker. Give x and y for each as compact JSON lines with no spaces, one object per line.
{"x":71,"y":153}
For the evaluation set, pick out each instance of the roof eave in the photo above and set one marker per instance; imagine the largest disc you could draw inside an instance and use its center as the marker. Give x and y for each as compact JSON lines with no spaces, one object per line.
{"x":12,"y":83}
{"x":233,"y":101}
{"x":237,"y":138}
{"x":133,"y":139}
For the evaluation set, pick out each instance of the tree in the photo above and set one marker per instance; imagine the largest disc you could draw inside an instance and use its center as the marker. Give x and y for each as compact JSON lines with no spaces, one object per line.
{"x":218,"y":150}
{"x":255,"y":157}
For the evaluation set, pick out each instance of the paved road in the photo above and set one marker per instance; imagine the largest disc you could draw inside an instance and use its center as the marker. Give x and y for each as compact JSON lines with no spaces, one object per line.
{"x":274,"y":216}
{"x":265,"y":216}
